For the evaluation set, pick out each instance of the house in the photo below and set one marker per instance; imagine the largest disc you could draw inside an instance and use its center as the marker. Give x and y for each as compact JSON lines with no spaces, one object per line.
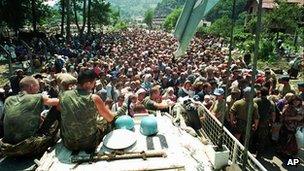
{"x":252,"y":5}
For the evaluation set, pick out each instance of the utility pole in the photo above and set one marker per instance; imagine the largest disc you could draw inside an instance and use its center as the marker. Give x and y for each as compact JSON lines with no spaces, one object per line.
{"x":250,"y":106}
{"x":220,"y":141}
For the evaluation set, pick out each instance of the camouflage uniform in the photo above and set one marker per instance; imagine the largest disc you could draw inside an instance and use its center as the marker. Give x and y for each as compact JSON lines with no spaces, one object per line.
{"x":79,"y":130}
{"x":149,"y":104}
{"x":21,"y":126}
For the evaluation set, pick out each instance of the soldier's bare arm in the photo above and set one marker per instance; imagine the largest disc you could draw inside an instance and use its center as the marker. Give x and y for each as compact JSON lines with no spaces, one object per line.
{"x":102,"y":109}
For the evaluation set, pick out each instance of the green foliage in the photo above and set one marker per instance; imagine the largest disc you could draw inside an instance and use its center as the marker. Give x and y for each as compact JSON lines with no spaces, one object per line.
{"x":12,"y":12}
{"x":133,"y":9}
{"x":100,"y":12}
{"x":224,"y":7}
{"x":114,"y":15}
{"x":171,"y":19}
{"x":285,"y":17}
{"x":219,"y":27}
{"x":266,"y":51}
{"x":149,"y":18}
{"x":43,"y":13}
{"x":16,"y":13}
{"x":165,"y":7}
{"x":120,"y":25}
{"x":52,"y":19}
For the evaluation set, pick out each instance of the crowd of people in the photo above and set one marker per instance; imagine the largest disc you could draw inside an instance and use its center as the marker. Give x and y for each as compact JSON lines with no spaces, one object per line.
{"x":135,"y":71}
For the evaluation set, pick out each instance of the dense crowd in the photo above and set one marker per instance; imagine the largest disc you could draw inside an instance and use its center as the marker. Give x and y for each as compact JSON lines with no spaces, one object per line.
{"x":137,"y":72}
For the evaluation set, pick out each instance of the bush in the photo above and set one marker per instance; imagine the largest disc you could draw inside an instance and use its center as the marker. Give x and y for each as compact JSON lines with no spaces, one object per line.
{"x":120,"y":25}
{"x":171,"y":19}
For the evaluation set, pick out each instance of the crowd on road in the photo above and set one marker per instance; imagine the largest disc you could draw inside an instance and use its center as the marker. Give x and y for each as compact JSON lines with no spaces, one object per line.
{"x":135,"y":71}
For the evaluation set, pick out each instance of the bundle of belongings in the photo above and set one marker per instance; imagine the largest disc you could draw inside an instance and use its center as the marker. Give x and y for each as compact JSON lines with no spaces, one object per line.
{"x":187,"y":114}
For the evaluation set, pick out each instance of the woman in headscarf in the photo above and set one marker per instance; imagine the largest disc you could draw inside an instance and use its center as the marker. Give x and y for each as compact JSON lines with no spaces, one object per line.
{"x":292,"y":118}
{"x":169,"y":94}
{"x":186,"y":90}
{"x":147,"y":84}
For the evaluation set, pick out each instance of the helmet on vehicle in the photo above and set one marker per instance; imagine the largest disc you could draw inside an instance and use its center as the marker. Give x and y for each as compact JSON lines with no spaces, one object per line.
{"x":148,"y":126}
{"x":124,"y":122}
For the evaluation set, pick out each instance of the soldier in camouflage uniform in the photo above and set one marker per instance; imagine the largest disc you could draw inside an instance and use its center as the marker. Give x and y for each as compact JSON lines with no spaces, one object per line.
{"x":23,"y":135}
{"x":80,"y":110}
{"x":153,"y":103}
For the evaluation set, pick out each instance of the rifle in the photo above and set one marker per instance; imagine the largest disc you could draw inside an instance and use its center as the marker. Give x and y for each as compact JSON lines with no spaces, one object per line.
{"x":116,"y":155}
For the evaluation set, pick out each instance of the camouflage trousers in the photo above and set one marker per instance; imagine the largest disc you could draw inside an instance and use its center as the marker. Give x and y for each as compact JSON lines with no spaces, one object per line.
{"x":32,"y":146}
{"x":46,"y":136}
{"x":91,"y":142}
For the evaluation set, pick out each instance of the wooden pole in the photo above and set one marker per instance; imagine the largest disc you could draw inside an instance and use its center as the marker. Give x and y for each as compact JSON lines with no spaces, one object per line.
{"x":250,"y":106}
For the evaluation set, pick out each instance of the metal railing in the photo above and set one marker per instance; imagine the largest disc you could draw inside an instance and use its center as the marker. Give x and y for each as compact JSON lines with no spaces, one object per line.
{"x":212,"y":129}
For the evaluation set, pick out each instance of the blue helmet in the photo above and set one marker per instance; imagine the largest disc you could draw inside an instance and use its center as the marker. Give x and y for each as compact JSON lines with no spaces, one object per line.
{"x":148,"y":126}
{"x":124,"y":122}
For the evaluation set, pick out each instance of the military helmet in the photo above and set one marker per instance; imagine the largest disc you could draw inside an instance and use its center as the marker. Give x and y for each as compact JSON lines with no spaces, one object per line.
{"x":124,"y":122}
{"x":148,"y":126}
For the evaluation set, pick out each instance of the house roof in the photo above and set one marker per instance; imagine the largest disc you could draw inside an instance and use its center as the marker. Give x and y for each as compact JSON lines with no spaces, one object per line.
{"x":270,"y":4}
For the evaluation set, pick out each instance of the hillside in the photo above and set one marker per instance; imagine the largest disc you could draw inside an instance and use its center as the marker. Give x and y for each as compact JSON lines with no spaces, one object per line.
{"x":165,"y":7}
{"x":132,"y":9}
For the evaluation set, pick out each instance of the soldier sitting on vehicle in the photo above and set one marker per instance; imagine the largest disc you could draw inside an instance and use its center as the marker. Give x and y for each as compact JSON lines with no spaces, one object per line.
{"x":79,"y":113}
{"x":24,"y":132}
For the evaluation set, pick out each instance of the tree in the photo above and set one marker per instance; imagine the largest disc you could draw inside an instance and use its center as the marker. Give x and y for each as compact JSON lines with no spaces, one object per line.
{"x":38,"y":13}
{"x":224,"y":8}
{"x":166,"y":7}
{"x":68,"y":20}
{"x":13,"y":13}
{"x":114,"y":15}
{"x":89,"y":16}
{"x":62,"y":4}
{"x":102,"y":12}
{"x":219,"y":27}
{"x":171,"y":19}
{"x":84,"y":15}
{"x":34,"y":17}
{"x":285,"y":17}
{"x":149,"y":17}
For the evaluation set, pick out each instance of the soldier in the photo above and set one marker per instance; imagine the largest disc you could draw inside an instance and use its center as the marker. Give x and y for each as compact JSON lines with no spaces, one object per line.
{"x":152,"y":102}
{"x":239,"y":113}
{"x":22,"y":121}
{"x":80,"y":110}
